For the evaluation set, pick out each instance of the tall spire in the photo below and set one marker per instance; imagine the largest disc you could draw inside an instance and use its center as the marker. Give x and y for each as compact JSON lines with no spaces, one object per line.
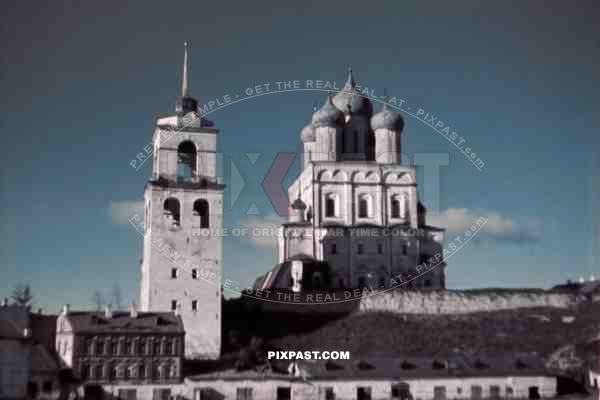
{"x":184,"y":80}
{"x":186,"y":103}
{"x":350,"y":81}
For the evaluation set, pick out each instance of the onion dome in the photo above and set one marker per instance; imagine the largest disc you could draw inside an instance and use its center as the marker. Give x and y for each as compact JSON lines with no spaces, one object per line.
{"x":328,"y":115}
{"x":308,"y":134}
{"x":351,"y":102}
{"x":298,"y":204}
{"x":387,"y":119}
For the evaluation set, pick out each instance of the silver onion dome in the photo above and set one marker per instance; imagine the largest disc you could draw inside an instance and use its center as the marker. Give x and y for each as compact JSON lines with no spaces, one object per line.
{"x":387,"y":119}
{"x":351,"y":102}
{"x":328,"y":115}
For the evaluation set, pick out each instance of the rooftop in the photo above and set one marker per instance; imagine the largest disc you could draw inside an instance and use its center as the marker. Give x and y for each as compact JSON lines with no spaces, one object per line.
{"x":123,"y":322}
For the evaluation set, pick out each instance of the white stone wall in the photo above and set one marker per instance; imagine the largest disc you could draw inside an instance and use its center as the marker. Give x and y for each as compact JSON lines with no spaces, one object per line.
{"x":453,"y":302}
{"x":386,"y":146}
{"x":64,"y":341}
{"x":185,"y":247}
{"x":144,"y":392}
{"x":421,"y":389}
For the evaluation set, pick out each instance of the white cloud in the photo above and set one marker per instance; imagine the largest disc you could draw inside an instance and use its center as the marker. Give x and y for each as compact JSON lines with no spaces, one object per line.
{"x":122,"y":211}
{"x":457,"y":221}
{"x":263,"y":229}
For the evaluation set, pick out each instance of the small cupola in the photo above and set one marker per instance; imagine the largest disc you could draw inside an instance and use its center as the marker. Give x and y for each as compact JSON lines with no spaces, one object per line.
{"x":387,"y":119}
{"x":328,"y":115}
{"x":298,"y":209}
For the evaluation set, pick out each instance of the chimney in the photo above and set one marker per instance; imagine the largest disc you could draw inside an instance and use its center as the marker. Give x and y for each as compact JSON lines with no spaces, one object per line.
{"x":65,"y":309}
{"x":5,"y":302}
{"x":133,"y":311}
{"x":107,"y":311}
{"x":26,"y":333}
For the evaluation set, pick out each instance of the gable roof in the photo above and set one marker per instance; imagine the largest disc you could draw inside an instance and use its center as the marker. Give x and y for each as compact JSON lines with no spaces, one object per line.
{"x":123,"y":322}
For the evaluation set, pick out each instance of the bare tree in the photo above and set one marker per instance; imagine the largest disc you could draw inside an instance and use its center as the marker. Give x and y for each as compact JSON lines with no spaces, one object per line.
{"x":117,"y":297}
{"x":22,"y":296}
{"x":98,"y":300}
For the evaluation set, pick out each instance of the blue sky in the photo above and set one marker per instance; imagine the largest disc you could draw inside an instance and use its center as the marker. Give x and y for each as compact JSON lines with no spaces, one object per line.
{"x":81,"y":87}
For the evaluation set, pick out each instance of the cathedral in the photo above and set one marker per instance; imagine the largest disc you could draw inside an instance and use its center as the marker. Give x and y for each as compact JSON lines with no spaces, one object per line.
{"x":355,"y":218}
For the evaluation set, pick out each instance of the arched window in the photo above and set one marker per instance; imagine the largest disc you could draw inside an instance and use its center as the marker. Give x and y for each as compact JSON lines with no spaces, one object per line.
{"x":172,"y":210}
{"x":330,"y":205}
{"x":201,"y":209}
{"x":364,"y":206}
{"x":395,"y":206}
{"x":186,"y":159}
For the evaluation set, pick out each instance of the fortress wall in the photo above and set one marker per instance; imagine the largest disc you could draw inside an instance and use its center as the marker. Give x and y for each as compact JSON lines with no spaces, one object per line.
{"x":413,"y":301}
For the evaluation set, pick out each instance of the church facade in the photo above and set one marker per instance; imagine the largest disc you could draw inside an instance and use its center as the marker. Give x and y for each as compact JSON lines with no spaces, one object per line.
{"x":354,"y":206}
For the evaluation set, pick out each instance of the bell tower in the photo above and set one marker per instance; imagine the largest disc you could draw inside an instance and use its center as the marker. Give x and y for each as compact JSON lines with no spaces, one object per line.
{"x":182,"y":256}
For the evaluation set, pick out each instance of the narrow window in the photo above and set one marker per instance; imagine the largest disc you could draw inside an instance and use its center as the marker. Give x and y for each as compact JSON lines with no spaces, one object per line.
{"x":363,"y":393}
{"x":439,"y":393}
{"x":363,"y":207}
{"x":379,"y":248}
{"x":47,"y":386}
{"x":333,"y":248}
{"x":85,"y":372}
{"x":476,"y":392}
{"x":534,"y":392}
{"x":427,"y":282}
{"x":404,"y":248}
{"x":112,"y":371}
{"x":329,"y":393}
{"x":362,"y":282}
{"x":395,"y":205}
{"x":201,"y":209}
{"x":186,"y":159}
{"x":172,"y":210}
{"x":127,"y":394}
{"x":173,"y":273}
{"x":381,"y":282}
{"x":330,"y":206}
{"x":194,"y":273}
{"x":494,"y":392}
{"x":173,"y":305}
{"x":194,"y":305}
{"x":509,"y":391}
{"x":284,"y":393}
{"x":360,"y":248}
{"x":244,"y":393}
